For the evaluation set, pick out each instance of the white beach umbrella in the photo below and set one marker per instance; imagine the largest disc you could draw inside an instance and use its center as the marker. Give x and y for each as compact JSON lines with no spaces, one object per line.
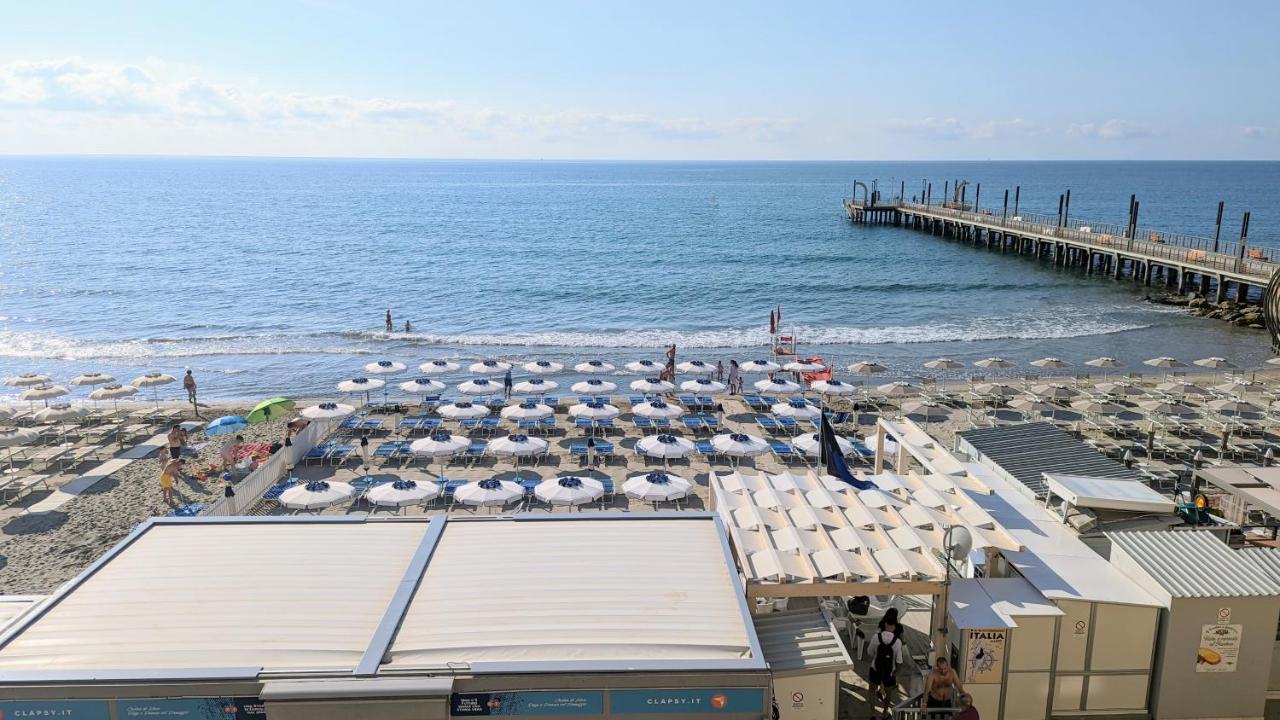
{"x":489,"y":493}
{"x":999,"y":389}
{"x":1165,"y":362}
{"x":438,"y":367}
{"x":1165,"y":407}
{"x":422,"y":386}
{"x":1238,"y":385}
{"x":439,"y":444}
{"x":1272,"y":361}
{"x":926,"y":409}
{"x":695,"y":366}
{"x":152,"y":380}
{"x":835,"y":387}
{"x":652,"y":385}
{"x":361,"y":385}
{"x":14,"y":437}
{"x":643,"y":366}
{"x":1097,"y":407}
{"x":6,"y":412}
{"x":798,"y":411}
{"x":527,"y":411}
{"x":1120,"y":389}
{"x":665,"y":446}
{"x":594,"y":367}
{"x":594,"y":411}
{"x":479,"y":386}
{"x":326,"y":410}
{"x":385,"y":367}
{"x":1104,"y":362}
{"x":91,"y":379}
{"x":402,"y":493}
{"x":739,"y":444}
{"x":316,"y":495}
{"x":570,"y":490}
{"x":1054,"y":392}
{"x":43,"y":392}
{"x":1216,"y":363}
{"x":778,"y":385}
{"x":867,"y":367}
{"x":112,"y":392}
{"x":657,"y":409}
{"x":535,"y":386}
{"x":993,"y":363}
{"x":543,"y":367}
{"x":656,"y":487}
{"x":489,"y":367}
{"x":802,"y":366}
{"x":59,"y":413}
{"x":518,"y":445}
{"x":811,"y":444}
{"x":1234,"y":406}
{"x":1031,"y":406}
{"x":759,"y":366}
{"x":944,"y":364}
{"x":1051,"y":363}
{"x":462,"y":410}
{"x":899,"y":389}
{"x":1182,"y":387}
{"x":594,"y":386}
{"x":28,"y":380}
{"x":703,"y":385}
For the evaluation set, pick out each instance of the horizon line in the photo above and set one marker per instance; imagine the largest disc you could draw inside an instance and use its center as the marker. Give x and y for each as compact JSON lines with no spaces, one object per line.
{"x":386,"y":158}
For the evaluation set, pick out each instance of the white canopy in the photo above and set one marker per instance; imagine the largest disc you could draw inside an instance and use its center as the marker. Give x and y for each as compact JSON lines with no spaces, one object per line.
{"x":543,"y":367}
{"x":479,"y":386}
{"x":489,"y":367}
{"x":316,"y":495}
{"x":657,"y":409}
{"x":594,"y":386}
{"x":664,"y":445}
{"x":657,"y":487}
{"x":594,"y":411}
{"x":594,"y":367}
{"x":527,"y":411}
{"x":438,"y":367}
{"x":385,"y":367}
{"x":570,"y":490}
{"x":461,"y":410}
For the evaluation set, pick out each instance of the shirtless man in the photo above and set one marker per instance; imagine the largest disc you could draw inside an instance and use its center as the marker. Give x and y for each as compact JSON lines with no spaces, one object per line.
{"x":941,"y":684}
{"x":189,"y":383}
{"x":229,"y":453}
{"x":177,"y":438}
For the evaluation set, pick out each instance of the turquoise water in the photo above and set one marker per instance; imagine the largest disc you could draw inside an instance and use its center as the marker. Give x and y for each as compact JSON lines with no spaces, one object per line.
{"x":272,"y":276}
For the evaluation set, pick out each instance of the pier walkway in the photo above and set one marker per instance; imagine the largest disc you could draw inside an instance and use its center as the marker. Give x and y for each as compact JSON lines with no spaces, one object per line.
{"x":1199,"y":265}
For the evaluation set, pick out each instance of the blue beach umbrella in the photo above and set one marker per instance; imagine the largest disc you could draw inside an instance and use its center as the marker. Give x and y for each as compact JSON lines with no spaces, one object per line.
{"x":226,"y":425}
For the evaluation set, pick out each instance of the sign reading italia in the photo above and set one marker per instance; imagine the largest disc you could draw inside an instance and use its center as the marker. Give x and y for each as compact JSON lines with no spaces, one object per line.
{"x":712,"y":701}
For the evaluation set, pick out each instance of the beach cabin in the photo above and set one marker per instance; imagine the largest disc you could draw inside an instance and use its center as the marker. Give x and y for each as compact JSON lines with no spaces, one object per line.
{"x":601,"y":615}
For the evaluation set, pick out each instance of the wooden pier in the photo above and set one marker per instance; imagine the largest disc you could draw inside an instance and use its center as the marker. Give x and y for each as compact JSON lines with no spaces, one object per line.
{"x":1201,"y":266}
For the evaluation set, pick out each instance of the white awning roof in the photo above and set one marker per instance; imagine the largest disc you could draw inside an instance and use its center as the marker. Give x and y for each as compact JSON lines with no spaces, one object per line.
{"x":800,"y":641}
{"x":996,"y":602}
{"x":1108,"y":494}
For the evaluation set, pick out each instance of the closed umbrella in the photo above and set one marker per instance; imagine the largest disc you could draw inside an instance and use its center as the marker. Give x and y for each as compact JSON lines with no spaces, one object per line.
{"x":571,"y":491}
{"x":28,"y":380}
{"x":778,"y":385}
{"x":899,"y":389}
{"x":479,"y":386}
{"x":656,"y":487}
{"x":1054,"y":392}
{"x":944,"y":364}
{"x":594,"y":367}
{"x":43,"y":392}
{"x":703,"y":385}
{"x":543,"y":367}
{"x":657,"y":410}
{"x":438,"y":367}
{"x":527,"y":411}
{"x":11,"y":438}
{"x":518,"y":445}
{"x":652,"y":386}
{"x":835,"y":387}
{"x":462,"y":410}
{"x":665,"y":446}
{"x":594,"y":386}
{"x":643,"y":366}
{"x":993,"y":363}
{"x":535,"y":386}
{"x":423,"y":386}
{"x":326,"y":410}
{"x":739,"y":444}
{"x":226,"y":425}
{"x":811,"y":444}
{"x":113,"y":392}
{"x":385,"y":367}
{"x":1165,"y":362}
{"x":867,"y":367}
{"x":268,"y":409}
{"x":402,"y":493}
{"x":759,"y":366}
{"x":316,"y":495}
{"x":694,"y":366}
{"x":804,"y":366}
{"x":91,"y":379}
{"x":799,"y":411}
{"x":594,"y":411}
{"x":489,"y":367}
{"x":489,"y":493}
{"x":1051,"y":363}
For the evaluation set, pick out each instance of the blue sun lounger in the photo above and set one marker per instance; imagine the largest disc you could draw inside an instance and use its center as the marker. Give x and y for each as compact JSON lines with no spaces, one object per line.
{"x":707,"y":450}
{"x":768,"y":424}
{"x":783,"y":451}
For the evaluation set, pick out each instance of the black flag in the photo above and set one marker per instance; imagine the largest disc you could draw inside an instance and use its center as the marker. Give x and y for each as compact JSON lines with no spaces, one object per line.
{"x":833,"y":459}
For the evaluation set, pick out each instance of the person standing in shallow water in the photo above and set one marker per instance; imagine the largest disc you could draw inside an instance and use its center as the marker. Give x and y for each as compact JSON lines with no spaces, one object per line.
{"x":390,"y":327}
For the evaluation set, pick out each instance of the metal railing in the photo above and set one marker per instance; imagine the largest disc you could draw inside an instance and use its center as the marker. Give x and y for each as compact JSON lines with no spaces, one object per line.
{"x":1110,"y":238}
{"x":250,"y":490}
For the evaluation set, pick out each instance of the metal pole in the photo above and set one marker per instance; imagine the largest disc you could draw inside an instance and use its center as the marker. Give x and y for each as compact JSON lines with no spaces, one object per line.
{"x":1217,"y":231}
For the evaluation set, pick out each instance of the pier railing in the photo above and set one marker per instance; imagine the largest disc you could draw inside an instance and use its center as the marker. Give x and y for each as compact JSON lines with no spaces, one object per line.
{"x":1185,"y":249}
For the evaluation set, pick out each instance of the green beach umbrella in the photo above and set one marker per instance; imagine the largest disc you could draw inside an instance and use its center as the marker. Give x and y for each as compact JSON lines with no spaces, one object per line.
{"x":267,"y":409}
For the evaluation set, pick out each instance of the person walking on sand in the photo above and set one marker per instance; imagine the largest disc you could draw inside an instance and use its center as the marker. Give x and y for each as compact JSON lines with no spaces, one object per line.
{"x":168,"y":475}
{"x":177,"y":437}
{"x":735,"y":378}
{"x":390,"y":326}
{"x":189,"y":382}
{"x":506,"y":383}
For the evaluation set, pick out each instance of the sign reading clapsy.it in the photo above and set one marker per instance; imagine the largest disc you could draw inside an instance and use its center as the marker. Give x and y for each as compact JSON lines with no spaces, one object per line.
{"x":708,"y":701}
{"x":60,"y":709}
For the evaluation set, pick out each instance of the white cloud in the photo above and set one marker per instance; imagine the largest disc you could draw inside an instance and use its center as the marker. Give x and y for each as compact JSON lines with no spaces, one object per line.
{"x":1256,"y":132}
{"x":950,"y":128}
{"x":1111,"y":130}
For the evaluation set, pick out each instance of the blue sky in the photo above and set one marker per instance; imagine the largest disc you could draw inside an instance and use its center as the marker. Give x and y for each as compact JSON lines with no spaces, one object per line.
{"x":651,"y":80}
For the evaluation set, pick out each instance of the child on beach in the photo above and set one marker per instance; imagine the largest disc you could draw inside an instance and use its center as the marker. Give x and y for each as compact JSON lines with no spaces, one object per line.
{"x":171,"y":471}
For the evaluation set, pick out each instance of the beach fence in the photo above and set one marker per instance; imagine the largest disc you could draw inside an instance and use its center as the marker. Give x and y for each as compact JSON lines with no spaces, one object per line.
{"x":250,"y":490}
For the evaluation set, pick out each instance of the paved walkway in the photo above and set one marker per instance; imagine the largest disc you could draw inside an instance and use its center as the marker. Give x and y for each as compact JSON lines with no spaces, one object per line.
{"x":77,"y":487}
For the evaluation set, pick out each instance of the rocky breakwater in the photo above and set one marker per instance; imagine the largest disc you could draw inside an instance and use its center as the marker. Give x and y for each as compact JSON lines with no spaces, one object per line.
{"x":1238,"y":314}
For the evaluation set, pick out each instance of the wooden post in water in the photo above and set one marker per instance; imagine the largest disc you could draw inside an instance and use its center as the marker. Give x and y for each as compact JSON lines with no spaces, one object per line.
{"x":977,"y":198}
{"x":1017,"y":192}
{"x":1005,"y":214}
{"x":1060,"y":198}
{"x":1066,"y":210}
{"x":928,"y":194}
{"x":946,"y":187}
{"x":1217,"y":230}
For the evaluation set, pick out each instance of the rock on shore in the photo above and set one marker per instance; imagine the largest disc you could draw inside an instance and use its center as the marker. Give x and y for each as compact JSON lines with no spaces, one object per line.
{"x":1238,"y":314}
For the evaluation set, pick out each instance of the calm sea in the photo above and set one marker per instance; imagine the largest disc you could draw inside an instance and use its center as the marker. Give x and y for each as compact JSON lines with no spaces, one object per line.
{"x":269,"y":276}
